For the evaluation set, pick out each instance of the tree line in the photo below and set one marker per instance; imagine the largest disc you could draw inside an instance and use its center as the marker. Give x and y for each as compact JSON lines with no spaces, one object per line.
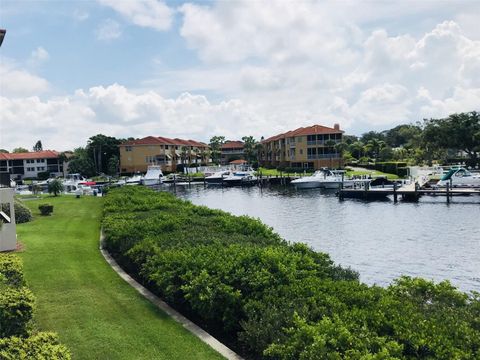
{"x":443,"y":140}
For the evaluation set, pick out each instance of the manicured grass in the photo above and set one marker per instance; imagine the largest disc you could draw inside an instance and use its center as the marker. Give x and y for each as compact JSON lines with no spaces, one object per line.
{"x":96,"y":314}
{"x":275,"y":172}
{"x":374,"y":173}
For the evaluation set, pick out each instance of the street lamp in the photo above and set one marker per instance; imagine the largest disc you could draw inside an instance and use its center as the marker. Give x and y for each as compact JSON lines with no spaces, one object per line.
{"x":2,"y":35}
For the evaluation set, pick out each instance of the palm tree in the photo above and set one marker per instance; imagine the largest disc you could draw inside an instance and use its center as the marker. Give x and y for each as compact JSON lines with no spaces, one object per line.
{"x":330,"y":144}
{"x":183,"y":156}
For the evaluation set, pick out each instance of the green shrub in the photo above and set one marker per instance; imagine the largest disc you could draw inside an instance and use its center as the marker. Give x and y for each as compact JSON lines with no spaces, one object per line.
{"x":42,"y":345}
{"x":22,"y":213}
{"x":16,"y":310}
{"x":45,"y":209}
{"x":12,"y":270}
{"x":272,"y":299}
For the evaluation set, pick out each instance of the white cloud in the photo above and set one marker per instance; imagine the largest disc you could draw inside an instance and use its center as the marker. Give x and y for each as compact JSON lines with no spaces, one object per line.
{"x":67,"y":122}
{"x":316,"y":59}
{"x":40,"y":55}
{"x":145,"y":13}
{"x":16,"y":82}
{"x":108,"y":30}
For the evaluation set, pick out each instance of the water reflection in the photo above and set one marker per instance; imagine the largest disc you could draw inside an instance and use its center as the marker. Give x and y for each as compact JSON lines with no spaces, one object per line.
{"x":380,"y":239}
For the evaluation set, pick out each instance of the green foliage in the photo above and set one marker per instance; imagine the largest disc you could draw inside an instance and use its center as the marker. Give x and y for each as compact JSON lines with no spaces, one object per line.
{"x":19,"y":150}
{"x":457,"y":132}
{"x":55,"y":187}
{"x":215,"y":144}
{"x":16,"y":311}
{"x":104,"y":153}
{"x":81,"y":162}
{"x":43,"y":175}
{"x":45,"y":209}
{"x":12,"y":270}
{"x":42,"y":345}
{"x":38,"y":146}
{"x":22,"y":213}
{"x":272,"y":299}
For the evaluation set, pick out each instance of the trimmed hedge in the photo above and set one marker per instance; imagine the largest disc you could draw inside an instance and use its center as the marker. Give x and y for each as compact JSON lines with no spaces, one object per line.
{"x":42,"y":345}
{"x":16,"y":312}
{"x":271,"y":299}
{"x":22,"y":213}
{"x":11,"y":268}
{"x":45,"y":209}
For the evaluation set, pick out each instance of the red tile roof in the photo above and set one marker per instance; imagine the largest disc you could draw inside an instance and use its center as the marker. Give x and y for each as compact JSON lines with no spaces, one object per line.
{"x":233,"y":145}
{"x":160,"y":140}
{"x":238,"y":162}
{"x":46,"y":154}
{"x":302,"y":131}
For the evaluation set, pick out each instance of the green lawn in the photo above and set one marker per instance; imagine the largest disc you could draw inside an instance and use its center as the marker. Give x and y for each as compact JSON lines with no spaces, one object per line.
{"x":96,"y":314}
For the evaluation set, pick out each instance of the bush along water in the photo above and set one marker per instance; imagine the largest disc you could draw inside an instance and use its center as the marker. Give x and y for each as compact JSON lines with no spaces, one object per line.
{"x":270,"y":299}
{"x":18,"y":338}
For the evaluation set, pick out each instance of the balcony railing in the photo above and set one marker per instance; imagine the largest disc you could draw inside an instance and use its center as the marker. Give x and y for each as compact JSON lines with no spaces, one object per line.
{"x":323,"y":156}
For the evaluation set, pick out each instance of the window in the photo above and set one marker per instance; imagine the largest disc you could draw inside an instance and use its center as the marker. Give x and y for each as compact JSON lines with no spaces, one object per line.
{"x":301,"y":151}
{"x":128,"y":148}
{"x":30,"y":169}
{"x":41,"y":168}
{"x":30,"y":161}
{"x":40,"y":160}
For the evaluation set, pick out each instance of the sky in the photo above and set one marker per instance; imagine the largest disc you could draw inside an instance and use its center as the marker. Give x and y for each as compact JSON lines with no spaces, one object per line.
{"x":195,"y":69}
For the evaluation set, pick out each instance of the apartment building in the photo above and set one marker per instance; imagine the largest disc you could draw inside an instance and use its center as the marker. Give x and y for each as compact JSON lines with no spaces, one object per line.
{"x":137,"y":155}
{"x":311,"y":147}
{"x":29,"y":165}
{"x":232,"y":150}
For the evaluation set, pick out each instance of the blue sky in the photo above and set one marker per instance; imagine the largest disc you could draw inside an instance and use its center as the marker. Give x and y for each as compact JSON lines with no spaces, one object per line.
{"x":72,"y":69}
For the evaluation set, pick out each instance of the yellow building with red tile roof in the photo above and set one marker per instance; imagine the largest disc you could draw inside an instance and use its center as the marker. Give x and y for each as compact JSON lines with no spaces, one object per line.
{"x":137,"y":155}
{"x":311,"y":147}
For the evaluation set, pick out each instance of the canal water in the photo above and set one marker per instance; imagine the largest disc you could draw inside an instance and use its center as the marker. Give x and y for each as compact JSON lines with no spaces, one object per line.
{"x":381,"y":240}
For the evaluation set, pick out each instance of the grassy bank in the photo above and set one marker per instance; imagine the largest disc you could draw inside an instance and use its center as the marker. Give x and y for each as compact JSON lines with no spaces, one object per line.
{"x":95,"y":313}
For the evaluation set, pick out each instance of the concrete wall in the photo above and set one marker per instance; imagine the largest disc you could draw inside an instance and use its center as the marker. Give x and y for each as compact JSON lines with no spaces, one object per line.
{"x":8,"y":232}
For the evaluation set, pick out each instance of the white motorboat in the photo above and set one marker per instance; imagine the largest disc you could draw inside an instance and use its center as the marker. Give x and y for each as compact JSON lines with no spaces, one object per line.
{"x":134,"y":180}
{"x":153,"y":176}
{"x":243,"y":177}
{"x":71,"y":182}
{"x":459,"y":176}
{"x":218,"y":177}
{"x":324,"y":178}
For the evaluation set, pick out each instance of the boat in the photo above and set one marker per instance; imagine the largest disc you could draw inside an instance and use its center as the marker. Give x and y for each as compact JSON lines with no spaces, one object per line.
{"x":460,"y":177}
{"x":243,"y":177}
{"x":324,"y":178}
{"x":218,"y":177}
{"x":71,"y":182}
{"x":153,"y":176}
{"x":134,"y":180}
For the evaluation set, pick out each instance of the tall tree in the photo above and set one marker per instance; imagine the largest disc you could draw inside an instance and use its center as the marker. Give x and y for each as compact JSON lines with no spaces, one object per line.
{"x":215,"y":144}
{"x":456,"y":132}
{"x":38,"y":146}
{"x":100,"y":149}
{"x":3,"y":151}
{"x":19,"y":150}
{"x":249,"y":149}
{"x":81,"y":163}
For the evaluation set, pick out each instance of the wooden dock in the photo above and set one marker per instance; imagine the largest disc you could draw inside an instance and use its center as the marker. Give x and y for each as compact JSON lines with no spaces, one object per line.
{"x":410,"y":192}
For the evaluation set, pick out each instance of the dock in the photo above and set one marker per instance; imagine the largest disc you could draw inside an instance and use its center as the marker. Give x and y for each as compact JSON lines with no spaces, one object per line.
{"x":408,"y":192}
